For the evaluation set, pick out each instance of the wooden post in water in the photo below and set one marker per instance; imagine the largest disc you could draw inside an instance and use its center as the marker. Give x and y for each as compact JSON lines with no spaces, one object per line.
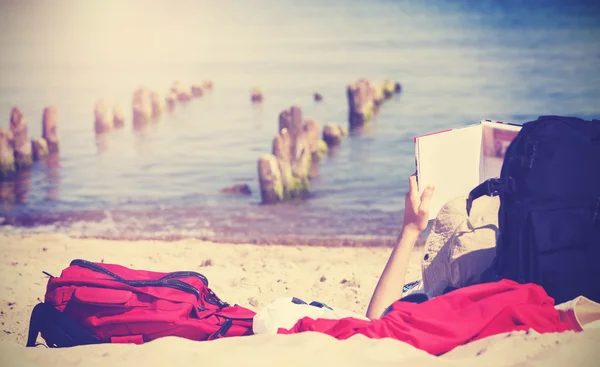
{"x":50,"y":129}
{"x":282,"y":151}
{"x":256,"y":95}
{"x":389,"y":89}
{"x":294,"y":147}
{"x":364,"y":99}
{"x":39,"y":147}
{"x":157,"y":105}
{"x":361,"y":103}
{"x":269,"y":179}
{"x":333,"y":134}
{"x":118,"y":117}
{"x":142,"y":108}
{"x":318,"y":147}
{"x":171,"y":101}
{"x":7,"y":155}
{"x":183,"y":93}
{"x":21,"y":142}
{"x":103,"y":119}
{"x":301,"y":157}
{"x":197,"y":90}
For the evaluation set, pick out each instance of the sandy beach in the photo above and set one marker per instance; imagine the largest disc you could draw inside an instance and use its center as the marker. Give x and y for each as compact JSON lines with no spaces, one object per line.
{"x":252,"y":276}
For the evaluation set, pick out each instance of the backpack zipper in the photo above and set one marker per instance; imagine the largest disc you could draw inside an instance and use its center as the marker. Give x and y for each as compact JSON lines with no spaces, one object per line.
{"x":185,"y":274}
{"x":532,"y":156}
{"x":176,"y":284}
{"x":211,"y":297}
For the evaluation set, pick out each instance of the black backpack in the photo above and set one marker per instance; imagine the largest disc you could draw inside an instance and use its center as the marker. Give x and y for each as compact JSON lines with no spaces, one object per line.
{"x":549,"y":216}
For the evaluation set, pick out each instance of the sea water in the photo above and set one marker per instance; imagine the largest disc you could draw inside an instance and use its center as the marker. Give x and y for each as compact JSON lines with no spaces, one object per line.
{"x":458,"y":62}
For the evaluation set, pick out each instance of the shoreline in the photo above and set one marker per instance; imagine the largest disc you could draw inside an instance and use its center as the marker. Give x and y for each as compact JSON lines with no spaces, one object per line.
{"x":232,"y":237}
{"x":277,"y":224}
{"x":285,"y":241}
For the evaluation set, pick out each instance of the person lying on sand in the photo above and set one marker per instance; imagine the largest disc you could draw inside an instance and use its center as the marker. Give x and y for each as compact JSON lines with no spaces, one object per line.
{"x":416,"y":217}
{"x":458,"y":252}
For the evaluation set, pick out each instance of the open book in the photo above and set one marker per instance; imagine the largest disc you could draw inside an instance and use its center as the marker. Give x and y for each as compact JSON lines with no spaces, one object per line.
{"x":457,"y":160}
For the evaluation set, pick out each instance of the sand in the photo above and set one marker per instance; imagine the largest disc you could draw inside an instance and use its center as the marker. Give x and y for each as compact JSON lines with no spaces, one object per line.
{"x":251,"y":276}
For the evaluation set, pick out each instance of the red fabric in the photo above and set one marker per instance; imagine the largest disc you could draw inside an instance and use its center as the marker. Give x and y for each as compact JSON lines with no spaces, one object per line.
{"x":458,"y":317}
{"x":118,"y":311}
{"x":130,"y":339}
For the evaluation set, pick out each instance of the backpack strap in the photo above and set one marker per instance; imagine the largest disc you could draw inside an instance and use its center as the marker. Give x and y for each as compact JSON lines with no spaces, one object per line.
{"x":222,"y":330}
{"x":491,"y":187}
{"x":320,"y":305}
{"x":57,"y":328}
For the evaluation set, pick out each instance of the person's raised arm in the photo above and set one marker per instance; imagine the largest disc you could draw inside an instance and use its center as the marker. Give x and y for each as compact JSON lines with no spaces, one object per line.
{"x":391,"y":282}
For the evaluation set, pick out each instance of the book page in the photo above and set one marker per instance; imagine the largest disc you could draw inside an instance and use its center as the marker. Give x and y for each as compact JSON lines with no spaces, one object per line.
{"x":496,"y":136}
{"x":449,"y":160}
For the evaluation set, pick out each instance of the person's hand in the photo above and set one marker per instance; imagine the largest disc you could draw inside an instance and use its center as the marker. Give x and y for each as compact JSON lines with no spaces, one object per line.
{"x":416,"y":208}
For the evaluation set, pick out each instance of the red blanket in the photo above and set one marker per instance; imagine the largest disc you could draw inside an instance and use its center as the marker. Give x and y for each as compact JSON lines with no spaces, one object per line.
{"x":456,"y":318}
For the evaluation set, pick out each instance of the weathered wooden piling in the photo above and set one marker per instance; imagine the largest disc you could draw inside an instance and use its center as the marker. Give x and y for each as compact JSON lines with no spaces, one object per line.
{"x":301,"y":156}
{"x":183,"y":93}
{"x":389,"y":89}
{"x":197,"y":90}
{"x":296,"y":148}
{"x":118,"y":117}
{"x":39,"y":148}
{"x":269,"y":179}
{"x":103,"y":118}
{"x":364,"y":99}
{"x":50,"y":129}
{"x":333,"y":134}
{"x":20,"y":140}
{"x":141,"y":108}
{"x":282,"y":152}
{"x":157,"y":105}
{"x":362,"y":102}
{"x":256,"y":95}
{"x":397,"y":88}
{"x":171,"y":101}
{"x":318,"y":147}
{"x":7,"y":154}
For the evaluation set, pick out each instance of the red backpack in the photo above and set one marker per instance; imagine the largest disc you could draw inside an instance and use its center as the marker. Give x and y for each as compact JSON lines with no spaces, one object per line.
{"x":105,"y":303}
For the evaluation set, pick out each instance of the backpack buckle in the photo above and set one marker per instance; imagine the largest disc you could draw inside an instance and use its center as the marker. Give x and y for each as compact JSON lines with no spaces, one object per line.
{"x":491,"y":187}
{"x":498,"y":185}
{"x":494,"y":187}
